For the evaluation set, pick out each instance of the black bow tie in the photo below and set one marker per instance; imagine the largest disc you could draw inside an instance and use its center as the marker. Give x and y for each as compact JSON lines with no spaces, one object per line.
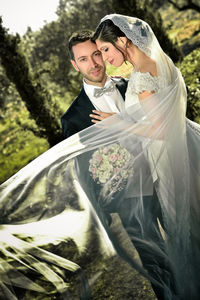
{"x":98,"y":92}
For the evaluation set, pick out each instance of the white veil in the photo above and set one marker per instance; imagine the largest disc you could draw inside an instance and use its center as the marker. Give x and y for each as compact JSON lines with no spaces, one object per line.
{"x":150,"y":146}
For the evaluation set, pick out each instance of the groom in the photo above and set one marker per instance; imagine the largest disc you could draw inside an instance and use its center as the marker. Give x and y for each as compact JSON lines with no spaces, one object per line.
{"x":87,"y":59}
{"x":102,"y":96}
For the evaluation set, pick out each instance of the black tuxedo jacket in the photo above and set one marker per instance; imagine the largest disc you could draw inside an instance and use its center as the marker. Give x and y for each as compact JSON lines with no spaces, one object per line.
{"x":76,"y":118}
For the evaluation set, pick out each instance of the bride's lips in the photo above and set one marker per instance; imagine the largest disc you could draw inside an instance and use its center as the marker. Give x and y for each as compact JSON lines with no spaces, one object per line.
{"x":111,"y":62}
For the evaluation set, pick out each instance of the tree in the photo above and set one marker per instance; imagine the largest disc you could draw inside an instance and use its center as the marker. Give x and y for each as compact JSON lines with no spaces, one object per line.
{"x":4,"y":88}
{"x":190,"y":69}
{"x":37,"y":99}
{"x":48,"y":54}
{"x":186,"y":4}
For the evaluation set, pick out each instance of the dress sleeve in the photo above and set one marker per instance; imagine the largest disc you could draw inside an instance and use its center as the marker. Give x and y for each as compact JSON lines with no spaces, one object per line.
{"x":140,"y":82}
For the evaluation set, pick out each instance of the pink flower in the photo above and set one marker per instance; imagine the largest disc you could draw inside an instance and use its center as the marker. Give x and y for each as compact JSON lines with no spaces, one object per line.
{"x":120,"y":157}
{"x":113,"y":157}
{"x":99,"y":158}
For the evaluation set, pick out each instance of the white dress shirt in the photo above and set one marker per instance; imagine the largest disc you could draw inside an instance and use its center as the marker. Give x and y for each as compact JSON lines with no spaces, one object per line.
{"x":108,"y":102}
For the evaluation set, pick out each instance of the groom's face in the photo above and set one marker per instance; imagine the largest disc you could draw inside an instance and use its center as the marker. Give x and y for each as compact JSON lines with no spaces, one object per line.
{"x":88,"y":61}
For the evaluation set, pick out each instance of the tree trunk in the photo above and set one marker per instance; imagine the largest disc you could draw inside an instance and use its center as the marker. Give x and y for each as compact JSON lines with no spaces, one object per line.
{"x":37,"y":99}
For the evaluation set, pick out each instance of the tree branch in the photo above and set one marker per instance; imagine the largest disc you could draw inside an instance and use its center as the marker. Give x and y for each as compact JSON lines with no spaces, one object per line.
{"x":189,"y":5}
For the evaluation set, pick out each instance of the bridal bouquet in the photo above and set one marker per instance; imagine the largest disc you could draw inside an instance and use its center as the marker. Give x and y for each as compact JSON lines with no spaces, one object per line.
{"x":110,"y":166}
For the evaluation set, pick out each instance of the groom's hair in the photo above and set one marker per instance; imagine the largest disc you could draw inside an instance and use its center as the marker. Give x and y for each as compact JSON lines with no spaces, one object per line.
{"x":78,"y":37}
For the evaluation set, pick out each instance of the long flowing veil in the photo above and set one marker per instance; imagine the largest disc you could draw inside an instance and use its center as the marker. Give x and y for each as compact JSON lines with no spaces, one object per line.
{"x":58,"y":206}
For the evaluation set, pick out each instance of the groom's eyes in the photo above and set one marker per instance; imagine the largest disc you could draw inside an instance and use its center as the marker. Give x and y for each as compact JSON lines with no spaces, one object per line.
{"x":82,"y":59}
{"x":97,"y":53}
{"x":85,"y":58}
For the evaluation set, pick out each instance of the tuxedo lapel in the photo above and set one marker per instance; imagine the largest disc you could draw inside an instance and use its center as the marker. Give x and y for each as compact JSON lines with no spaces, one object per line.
{"x":122,"y":86}
{"x":84,"y":107}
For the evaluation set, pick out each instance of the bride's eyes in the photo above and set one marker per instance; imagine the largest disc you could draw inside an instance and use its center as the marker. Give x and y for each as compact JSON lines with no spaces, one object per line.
{"x":106,"y":49}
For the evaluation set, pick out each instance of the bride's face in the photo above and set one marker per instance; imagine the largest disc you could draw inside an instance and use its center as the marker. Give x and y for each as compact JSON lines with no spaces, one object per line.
{"x":110,"y":53}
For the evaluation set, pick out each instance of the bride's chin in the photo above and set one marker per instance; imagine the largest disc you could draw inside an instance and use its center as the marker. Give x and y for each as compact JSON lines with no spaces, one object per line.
{"x":118,"y":64}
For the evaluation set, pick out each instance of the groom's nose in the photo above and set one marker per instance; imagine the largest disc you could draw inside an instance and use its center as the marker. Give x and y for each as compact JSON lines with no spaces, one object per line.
{"x":93,"y":62}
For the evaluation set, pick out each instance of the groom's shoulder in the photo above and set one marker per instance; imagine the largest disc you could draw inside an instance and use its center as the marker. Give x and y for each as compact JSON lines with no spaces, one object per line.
{"x":121,"y":83}
{"x":119,"y":80}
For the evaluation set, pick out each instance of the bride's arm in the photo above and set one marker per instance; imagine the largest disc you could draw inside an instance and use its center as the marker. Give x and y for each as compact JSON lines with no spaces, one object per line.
{"x":155,"y":119}
{"x":142,"y":129}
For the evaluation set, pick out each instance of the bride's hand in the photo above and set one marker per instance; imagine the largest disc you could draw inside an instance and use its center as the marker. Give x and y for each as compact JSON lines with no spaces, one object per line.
{"x":99,"y":115}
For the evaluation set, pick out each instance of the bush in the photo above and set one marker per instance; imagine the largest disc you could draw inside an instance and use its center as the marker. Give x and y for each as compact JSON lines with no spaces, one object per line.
{"x":190,"y":69}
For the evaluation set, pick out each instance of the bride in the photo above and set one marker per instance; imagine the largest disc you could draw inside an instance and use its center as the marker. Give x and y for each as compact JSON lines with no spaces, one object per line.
{"x":156,"y":103}
{"x":51,"y":212}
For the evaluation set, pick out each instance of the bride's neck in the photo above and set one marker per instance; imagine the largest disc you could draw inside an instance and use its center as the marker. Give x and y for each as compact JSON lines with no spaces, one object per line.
{"x":140,"y":61}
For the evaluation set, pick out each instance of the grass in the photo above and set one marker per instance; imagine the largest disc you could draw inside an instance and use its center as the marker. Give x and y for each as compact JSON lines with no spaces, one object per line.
{"x":19,"y":151}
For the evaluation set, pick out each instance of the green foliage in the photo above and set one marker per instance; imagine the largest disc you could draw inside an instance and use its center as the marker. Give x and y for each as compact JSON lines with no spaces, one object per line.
{"x":190,"y":69}
{"x":183,"y":27}
{"x":37,"y":99}
{"x":185,"y":4}
{"x":6,"y":93}
{"x":12,"y":157}
{"x":64,"y":101}
{"x":124,"y":70}
{"x":18,"y":144}
{"x":48,"y":52}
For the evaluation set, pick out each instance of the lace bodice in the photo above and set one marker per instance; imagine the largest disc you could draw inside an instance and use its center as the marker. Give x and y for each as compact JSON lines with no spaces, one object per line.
{"x":140,"y":82}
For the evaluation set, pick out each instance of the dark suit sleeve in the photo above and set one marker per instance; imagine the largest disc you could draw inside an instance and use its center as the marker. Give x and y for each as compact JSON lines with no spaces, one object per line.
{"x":68,"y":127}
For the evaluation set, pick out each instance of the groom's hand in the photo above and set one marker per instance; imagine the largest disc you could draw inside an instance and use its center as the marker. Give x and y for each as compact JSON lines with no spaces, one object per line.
{"x":99,"y":115}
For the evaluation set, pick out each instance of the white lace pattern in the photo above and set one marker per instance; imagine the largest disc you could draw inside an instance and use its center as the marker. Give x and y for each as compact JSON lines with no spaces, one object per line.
{"x":140,"y":82}
{"x":135,"y":29}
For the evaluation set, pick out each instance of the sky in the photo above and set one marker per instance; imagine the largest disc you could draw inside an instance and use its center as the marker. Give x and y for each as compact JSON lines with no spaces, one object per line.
{"x":17,"y":15}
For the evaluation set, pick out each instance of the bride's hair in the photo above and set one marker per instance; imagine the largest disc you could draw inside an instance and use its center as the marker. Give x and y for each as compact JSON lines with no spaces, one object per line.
{"x":108,"y":32}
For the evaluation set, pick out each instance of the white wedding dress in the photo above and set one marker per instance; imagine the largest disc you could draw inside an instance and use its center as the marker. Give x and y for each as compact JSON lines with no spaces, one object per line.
{"x":54,"y":235}
{"x":138,"y":83}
